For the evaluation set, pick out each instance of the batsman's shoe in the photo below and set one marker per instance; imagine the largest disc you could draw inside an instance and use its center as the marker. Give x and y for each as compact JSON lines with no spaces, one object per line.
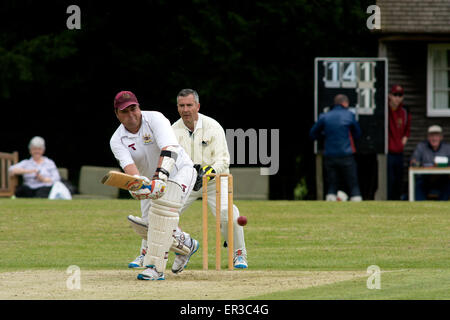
{"x":151,"y":274}
{"x":240,"y":260}
{"x":181,"y":261}
{"x":137,"y":263}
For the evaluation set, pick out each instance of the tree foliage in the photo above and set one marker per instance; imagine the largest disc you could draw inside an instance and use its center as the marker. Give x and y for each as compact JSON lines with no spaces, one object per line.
{"x":251,"y":61}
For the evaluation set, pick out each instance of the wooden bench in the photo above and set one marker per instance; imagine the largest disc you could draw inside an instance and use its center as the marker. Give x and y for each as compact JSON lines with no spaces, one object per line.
{"x":90,"y":186}
{"x":8,"y":183}
{"x":63,"y":173}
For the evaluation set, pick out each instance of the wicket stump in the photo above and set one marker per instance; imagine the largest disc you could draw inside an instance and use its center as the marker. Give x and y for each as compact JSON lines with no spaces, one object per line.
{"x":230,"y":241}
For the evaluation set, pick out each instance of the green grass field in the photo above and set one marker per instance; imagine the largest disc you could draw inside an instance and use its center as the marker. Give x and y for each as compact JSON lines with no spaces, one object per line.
{"x":409,"y":242}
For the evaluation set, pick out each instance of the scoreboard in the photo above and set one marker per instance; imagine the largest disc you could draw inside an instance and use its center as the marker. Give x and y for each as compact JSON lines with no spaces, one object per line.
{"x":364,"y":82}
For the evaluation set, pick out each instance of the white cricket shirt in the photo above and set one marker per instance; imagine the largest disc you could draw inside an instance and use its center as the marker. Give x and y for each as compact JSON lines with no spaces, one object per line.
{"x":206,"y":145}
{"x":144,"y":148}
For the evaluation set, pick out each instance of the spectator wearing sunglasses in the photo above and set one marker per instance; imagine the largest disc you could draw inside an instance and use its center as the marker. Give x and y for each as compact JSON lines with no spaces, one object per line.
{"x":399,"y":131}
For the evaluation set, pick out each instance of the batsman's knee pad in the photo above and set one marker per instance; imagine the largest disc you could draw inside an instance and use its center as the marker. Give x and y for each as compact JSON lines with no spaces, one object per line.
{"x":172,"y":200}
{"x":162,"y":223}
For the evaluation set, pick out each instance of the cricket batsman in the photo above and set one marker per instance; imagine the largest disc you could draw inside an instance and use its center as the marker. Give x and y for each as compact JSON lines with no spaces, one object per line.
{"x":145,"y":146}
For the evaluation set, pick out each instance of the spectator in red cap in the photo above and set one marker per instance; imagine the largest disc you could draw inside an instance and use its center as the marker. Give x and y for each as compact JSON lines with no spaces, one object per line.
{"x":399,"y":131}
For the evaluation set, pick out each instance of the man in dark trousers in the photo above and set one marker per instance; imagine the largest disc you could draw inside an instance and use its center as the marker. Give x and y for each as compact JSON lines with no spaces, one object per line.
{"x":399,"y":130}
{"x":339,"y":127}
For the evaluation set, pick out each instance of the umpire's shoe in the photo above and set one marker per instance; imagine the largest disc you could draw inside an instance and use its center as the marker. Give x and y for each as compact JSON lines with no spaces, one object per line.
{"x":181,"y":261}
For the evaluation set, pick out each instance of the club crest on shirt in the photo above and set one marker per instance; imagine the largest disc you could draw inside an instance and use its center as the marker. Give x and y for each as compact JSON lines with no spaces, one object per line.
{"x":147,"y":138}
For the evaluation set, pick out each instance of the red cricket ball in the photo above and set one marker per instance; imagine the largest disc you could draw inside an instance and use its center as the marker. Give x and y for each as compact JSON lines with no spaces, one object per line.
{"x":242,"y":220}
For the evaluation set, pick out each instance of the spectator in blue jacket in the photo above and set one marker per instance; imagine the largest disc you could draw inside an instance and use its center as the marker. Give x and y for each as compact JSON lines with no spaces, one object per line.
{"x":339,"y":127}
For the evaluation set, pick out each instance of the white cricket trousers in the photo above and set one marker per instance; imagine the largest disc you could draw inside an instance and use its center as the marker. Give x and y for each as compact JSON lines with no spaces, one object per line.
{"x":239,"y":241}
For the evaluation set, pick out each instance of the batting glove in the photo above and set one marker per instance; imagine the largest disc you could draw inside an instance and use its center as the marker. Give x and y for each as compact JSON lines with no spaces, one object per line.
{"x":140,"y":194}
{"x":158,"y":187}
{"x":144,"y":192}
{"x":146,"y":180}
{"x":154,"y":190}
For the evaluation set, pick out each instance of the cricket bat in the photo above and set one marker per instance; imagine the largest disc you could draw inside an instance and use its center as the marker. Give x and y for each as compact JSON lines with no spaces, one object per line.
{"x":123,"y":181}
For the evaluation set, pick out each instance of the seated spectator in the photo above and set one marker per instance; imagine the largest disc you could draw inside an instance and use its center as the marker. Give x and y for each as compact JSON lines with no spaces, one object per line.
{"x":424,"y":156}
{"x":39,"y":173}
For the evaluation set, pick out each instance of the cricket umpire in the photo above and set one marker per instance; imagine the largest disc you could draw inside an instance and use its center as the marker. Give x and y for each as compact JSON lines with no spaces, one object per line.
{"x":203,"y":138}
{"x":145,"y":146}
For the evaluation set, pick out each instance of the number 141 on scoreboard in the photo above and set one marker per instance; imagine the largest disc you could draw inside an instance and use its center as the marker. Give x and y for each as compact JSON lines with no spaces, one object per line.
{"x":357,"y":75}
{"x":339,"y":74}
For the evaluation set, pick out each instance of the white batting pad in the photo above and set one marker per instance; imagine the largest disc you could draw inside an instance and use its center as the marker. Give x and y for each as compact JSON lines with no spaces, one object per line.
{"x":163,"y":221}
{"x":159,"y":240}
